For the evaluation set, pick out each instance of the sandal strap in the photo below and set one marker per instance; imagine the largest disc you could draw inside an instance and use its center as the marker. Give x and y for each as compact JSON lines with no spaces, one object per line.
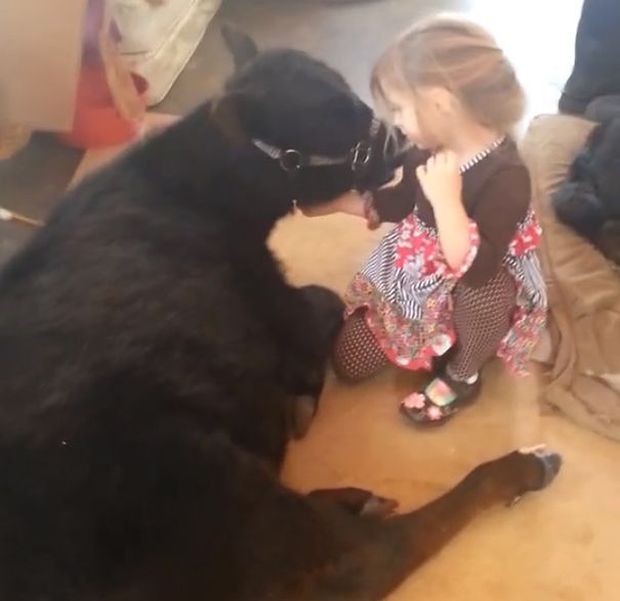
{"x":465,"y":391}
{"x":440,"y":399}
{"x":439,"y":392}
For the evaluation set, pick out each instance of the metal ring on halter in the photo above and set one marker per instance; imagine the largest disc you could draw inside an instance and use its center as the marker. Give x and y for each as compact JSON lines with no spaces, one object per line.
{"x":291,"y":160}
{"x":361,"y":155}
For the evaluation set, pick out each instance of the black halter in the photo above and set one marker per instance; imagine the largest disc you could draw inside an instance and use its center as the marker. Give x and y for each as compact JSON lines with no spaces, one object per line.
{"x":292,"y":160}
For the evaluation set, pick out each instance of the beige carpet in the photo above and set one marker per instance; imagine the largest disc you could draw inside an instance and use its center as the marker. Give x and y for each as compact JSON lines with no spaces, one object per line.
{"x":556,"y":545}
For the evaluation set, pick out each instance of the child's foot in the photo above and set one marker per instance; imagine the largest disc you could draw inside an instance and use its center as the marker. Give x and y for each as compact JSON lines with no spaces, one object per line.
{"x":440,"y":400}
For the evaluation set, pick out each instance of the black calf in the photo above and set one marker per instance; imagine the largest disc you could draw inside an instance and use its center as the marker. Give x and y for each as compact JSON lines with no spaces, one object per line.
{"x":154,"y":363}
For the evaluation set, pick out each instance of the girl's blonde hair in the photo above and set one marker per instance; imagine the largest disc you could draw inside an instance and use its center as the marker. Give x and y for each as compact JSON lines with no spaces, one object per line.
{"x":454,"y":53}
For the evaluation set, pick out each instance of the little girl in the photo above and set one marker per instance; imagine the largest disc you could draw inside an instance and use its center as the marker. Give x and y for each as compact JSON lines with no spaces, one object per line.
{"x":457,"y":280}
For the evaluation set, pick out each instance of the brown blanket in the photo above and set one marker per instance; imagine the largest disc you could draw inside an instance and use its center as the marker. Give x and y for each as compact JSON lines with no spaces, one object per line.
{"x":584,"y":289}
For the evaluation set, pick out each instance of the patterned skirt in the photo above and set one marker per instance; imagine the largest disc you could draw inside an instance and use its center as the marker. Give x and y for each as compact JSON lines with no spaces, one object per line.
{"x":406,"y":287}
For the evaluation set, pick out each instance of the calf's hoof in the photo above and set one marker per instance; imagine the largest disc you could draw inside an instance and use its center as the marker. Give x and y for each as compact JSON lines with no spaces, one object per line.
{"x":549,"y":464}
{"x":542,"y":468}
{"x":379,"y":507}
{"x":357,"y":501}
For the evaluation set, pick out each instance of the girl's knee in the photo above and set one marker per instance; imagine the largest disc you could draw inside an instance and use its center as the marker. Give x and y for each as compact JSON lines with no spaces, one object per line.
{"x":355,"y":359}
{"x":346,"y":366}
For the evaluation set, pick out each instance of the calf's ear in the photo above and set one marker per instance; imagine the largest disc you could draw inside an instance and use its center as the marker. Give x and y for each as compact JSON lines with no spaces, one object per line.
{"x":240,"y":114}
{"x":242,"y":47}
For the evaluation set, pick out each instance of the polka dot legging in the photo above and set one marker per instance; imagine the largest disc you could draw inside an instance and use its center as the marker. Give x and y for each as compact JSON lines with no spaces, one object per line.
{"x":482,"y":317}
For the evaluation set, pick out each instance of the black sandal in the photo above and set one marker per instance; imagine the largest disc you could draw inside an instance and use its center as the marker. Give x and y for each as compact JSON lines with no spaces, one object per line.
{"x":439,"y":401}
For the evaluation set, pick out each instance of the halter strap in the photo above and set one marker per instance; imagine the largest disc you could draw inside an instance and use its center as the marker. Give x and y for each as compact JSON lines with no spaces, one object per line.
{"x":292,"y":160}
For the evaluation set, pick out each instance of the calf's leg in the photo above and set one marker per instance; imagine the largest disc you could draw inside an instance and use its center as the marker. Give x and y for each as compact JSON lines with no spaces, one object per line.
{"x":326,"y":311}
{"x":257,"y":540}
{"x":389,"y":550}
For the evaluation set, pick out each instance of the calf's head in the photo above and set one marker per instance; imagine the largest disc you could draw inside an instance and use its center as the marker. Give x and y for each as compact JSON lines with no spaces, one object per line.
{"x":312,"y":137}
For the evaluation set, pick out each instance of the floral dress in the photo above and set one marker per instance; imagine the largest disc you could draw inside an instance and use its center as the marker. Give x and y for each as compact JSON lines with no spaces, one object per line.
{"x":406,"y":288}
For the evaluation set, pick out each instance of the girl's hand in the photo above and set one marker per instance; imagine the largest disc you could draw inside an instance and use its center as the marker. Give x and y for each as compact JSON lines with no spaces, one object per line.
{"x":440,"y":179}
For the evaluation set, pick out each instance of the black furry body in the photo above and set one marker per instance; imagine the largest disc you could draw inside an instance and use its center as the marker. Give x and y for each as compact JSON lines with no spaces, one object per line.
{"x":152,"y":353}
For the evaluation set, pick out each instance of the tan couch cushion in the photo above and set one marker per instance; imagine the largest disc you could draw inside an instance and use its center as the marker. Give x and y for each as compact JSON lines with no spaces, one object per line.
{"x":584,"y":290}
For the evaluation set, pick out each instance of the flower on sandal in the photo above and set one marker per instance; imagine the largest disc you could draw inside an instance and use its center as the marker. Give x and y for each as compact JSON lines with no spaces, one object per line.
{"x":434,"y":413}
{"x":415,"y":401}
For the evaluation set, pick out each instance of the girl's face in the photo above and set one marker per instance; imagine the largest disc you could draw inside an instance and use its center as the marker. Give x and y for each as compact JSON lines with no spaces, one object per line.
{"x":422,"y":117}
